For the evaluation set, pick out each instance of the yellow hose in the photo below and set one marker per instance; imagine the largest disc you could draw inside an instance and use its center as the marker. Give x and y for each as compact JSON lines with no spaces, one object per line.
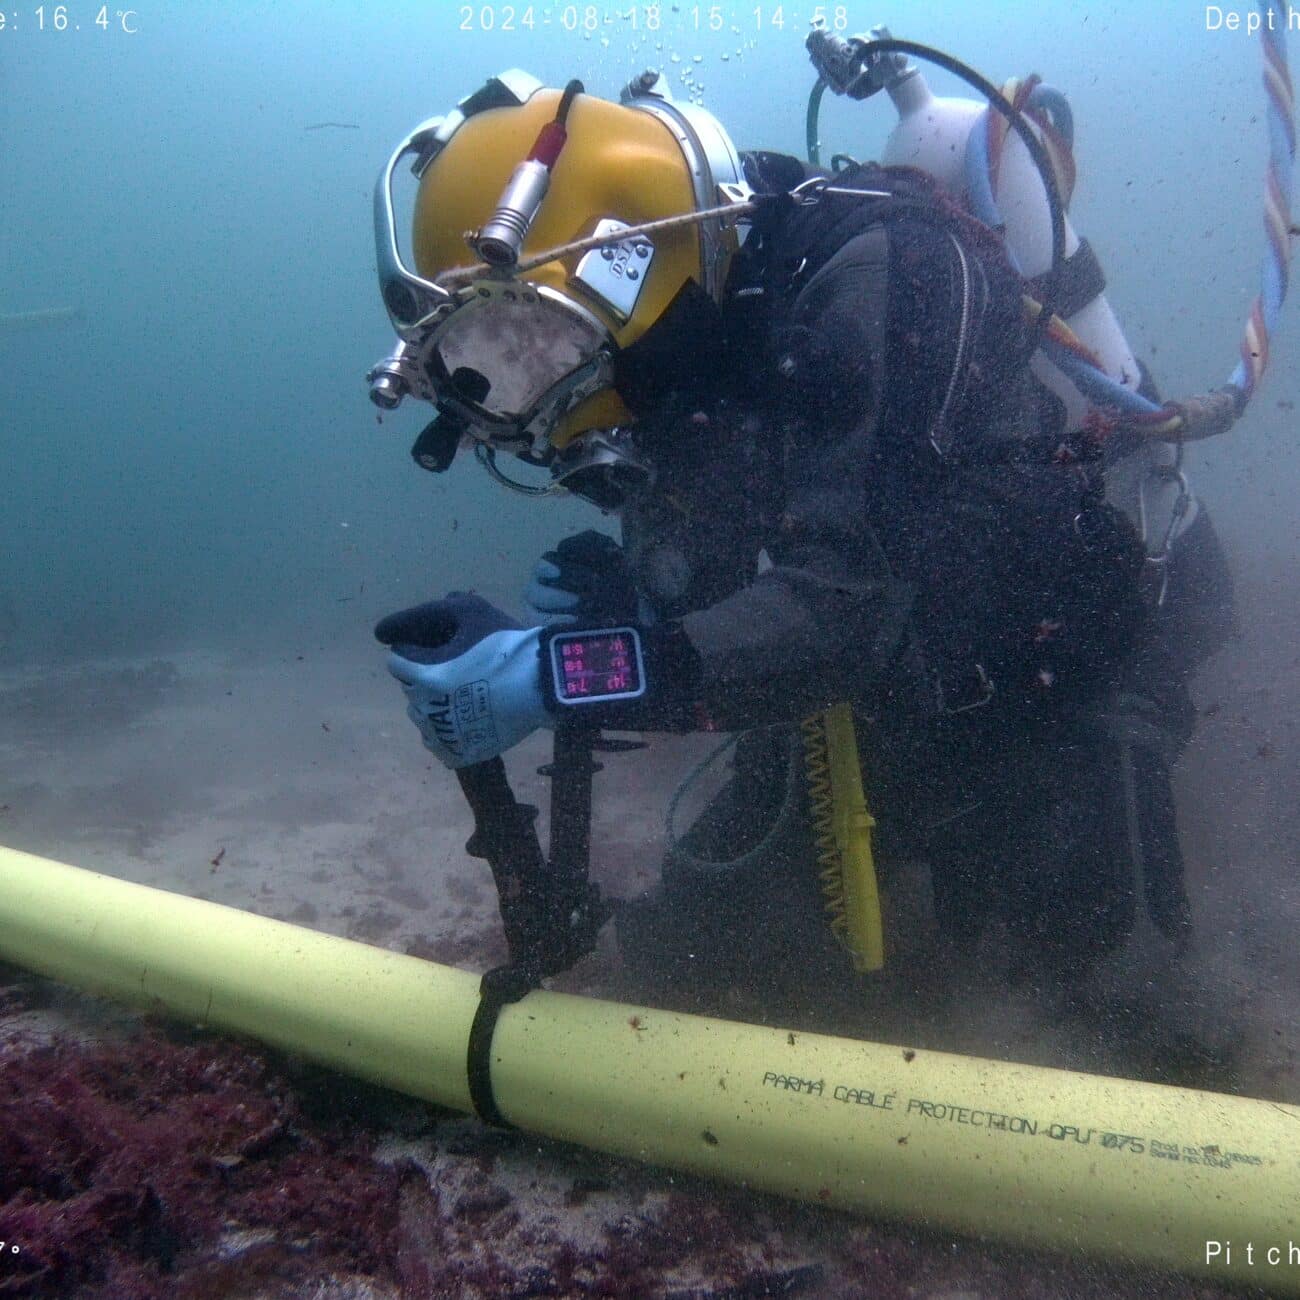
{"x":1131,"y":1172}
{"x":842,"y":835}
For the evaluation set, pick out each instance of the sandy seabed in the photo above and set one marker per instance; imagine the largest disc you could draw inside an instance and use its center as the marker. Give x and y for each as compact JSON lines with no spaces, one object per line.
{"x":148,"y":1160}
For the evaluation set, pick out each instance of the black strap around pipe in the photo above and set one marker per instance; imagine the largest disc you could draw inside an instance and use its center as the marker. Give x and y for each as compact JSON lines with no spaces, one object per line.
{"x":498,"y":989}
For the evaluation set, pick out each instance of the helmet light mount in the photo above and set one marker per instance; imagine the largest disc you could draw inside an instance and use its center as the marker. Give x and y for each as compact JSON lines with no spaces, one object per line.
{"x":502,"y":238}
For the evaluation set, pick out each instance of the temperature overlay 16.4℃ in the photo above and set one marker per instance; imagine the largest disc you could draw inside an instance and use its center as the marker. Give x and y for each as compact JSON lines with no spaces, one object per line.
{"x":69,"y":19}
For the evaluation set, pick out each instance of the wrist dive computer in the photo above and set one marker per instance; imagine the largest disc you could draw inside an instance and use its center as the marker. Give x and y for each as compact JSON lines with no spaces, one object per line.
{"x":595,"y":666}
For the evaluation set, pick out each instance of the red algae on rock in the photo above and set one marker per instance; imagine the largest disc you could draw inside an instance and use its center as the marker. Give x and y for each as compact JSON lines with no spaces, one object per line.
{"x":121,"y":1166}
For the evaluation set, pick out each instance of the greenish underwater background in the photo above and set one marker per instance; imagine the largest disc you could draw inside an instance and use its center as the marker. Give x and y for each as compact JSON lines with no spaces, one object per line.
{"x":193,"y":459}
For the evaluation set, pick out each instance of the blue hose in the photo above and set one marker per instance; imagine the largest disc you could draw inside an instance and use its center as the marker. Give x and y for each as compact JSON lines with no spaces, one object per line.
{"x":1096,"y":385}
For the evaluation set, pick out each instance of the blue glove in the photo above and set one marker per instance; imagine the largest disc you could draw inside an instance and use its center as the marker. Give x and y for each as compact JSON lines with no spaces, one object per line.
{"x":482,"y":694}
{"x":547,"y":595}
{"x":586,"y":577}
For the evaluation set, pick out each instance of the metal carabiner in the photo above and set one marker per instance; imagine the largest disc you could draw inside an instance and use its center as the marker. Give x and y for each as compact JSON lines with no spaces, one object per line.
{"x":1163,"y":474}
{"x":1159,"y":558}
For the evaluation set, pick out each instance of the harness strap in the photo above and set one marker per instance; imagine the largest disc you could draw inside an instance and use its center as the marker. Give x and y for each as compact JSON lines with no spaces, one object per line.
{"x":1081,"y":281}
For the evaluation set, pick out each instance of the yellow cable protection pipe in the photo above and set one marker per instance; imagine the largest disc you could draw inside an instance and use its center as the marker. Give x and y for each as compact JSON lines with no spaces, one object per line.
{"x":1133,"y":1173}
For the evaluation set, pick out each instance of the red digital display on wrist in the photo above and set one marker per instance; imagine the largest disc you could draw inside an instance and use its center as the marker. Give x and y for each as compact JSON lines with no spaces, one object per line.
{"x":596,"y":666}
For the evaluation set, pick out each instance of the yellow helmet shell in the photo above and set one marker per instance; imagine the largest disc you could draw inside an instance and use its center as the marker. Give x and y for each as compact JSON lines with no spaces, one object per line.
{"x":619,"y":162}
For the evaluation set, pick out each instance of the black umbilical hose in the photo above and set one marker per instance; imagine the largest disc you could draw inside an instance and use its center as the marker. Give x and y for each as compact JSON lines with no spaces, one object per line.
{"x":571,"y":92}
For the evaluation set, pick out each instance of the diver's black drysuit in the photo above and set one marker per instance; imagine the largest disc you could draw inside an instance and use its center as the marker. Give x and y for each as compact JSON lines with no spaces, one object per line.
{"x":940,"y":555}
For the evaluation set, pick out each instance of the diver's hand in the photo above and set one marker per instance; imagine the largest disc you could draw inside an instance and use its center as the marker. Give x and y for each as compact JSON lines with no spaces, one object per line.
{"x":480,"y":704}
{"x":471,"y":676}
{"x":587,"y":577}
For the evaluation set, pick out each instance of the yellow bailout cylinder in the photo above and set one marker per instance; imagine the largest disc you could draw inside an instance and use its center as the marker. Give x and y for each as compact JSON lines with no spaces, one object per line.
{"x":1131,"y":1172}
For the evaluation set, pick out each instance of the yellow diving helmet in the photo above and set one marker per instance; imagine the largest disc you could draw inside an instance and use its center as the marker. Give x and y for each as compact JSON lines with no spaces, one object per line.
{"x":507,"y":330}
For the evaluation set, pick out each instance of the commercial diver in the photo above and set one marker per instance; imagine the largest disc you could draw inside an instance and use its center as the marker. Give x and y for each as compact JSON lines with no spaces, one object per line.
{"x":858,"y":460}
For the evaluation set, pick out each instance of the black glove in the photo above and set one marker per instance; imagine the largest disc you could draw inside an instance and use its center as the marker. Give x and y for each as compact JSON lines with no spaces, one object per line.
{"x":586,"y":579}
{"x":441,"y":630}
